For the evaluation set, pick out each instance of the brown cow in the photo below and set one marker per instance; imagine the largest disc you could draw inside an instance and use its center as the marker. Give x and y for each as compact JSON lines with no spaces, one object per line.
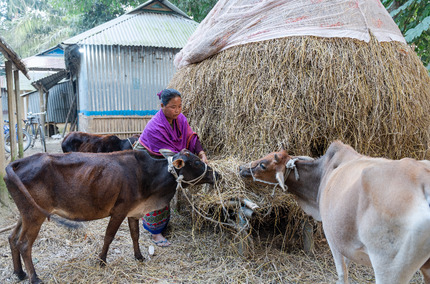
{"x":86,"y":142}
{"x":89,"y":186}
{"x":374,"y":211}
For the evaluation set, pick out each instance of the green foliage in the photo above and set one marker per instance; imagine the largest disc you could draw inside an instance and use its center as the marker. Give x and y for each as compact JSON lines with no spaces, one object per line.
{"x":31,"y":26}
{"x":91,"y":13}
{"x":413,"y":20}
{"x":195,"y":9}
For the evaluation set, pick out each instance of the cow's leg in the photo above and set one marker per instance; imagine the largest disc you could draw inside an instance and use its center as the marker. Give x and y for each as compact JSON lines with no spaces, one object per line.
{"x":16,"y":256}
{"x":29,"y":231}
{"x":133,"y":224}
{"x":397,"y":270}
{"x":425,"y":270}
{"x":114,"y":223}
{"x":341,"y":267}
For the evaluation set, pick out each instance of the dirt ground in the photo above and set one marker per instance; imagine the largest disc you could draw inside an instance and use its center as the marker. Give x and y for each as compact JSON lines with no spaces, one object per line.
{"x":197,"y":255}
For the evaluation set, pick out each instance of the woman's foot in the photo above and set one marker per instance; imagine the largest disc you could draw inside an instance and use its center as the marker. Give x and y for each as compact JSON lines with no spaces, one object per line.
{"x":160,"y":241}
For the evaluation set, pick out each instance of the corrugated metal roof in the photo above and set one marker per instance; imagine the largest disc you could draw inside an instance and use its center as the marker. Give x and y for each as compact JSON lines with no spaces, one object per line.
{"x":159,"y":5}
{"x":45,"y":63}
{"x":48,"y":82}
{"x":140,"y":29}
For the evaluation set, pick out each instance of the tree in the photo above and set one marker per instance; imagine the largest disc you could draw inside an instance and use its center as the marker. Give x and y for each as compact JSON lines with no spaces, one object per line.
{"x":195,"y":9}
{"x":91,"y":13}
{"x":30,"y":26}
{"x":413,"y":20}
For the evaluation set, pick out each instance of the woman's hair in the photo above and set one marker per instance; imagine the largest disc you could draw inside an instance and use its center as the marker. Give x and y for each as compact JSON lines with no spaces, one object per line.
{"x":167,"y":94}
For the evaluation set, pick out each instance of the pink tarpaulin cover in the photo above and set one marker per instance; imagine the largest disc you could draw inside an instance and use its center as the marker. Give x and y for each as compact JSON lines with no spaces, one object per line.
{"x":235,"y":22}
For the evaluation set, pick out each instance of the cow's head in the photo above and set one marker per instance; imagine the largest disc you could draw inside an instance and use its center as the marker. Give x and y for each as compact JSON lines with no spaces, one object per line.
{"x":188,"y":165}
{"x":267,"y":170}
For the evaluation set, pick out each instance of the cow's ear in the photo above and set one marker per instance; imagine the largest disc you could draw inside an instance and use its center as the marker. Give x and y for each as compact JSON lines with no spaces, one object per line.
{"x":167,"y":153}
{"x":178,"y":163}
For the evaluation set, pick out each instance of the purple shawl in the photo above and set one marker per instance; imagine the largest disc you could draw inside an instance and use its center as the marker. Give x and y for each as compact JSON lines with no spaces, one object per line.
{"x":158,"y":134}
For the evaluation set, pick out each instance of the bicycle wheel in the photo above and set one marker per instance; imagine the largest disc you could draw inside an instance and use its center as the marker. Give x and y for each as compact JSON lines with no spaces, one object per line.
{"x":42,"y":138}
{"x":7,"y":143}
{"x":33,"y":135}
{"x":26,"y":141}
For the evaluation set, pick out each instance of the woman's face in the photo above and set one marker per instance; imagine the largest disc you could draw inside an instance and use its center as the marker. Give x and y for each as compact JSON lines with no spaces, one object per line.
{"x":172,"y":109}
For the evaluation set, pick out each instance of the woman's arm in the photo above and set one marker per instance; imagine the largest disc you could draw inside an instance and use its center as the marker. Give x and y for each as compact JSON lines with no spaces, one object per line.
{"x":203,"y":157}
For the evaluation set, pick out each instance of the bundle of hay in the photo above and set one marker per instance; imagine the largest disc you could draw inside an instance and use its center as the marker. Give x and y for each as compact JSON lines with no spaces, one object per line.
{"x":301,"y":93}
{"x":305,"y":92}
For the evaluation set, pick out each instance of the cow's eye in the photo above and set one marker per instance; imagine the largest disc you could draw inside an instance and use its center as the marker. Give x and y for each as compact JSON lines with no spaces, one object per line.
{"x":197,"y":163}
{"x":262,"y":166}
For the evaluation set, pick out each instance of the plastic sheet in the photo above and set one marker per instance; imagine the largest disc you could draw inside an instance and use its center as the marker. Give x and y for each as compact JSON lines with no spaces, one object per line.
{"x":236,"y":22}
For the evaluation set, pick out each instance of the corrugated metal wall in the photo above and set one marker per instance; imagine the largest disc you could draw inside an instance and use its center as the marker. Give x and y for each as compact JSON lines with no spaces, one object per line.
{"x":59,"y":101}
{"x":123,"y":80}
{"x":3,"y":94}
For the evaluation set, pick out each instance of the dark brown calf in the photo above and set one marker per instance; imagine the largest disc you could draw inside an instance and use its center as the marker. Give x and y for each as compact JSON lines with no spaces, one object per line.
{"x":89,"y":186}
{"x":86,"y":142}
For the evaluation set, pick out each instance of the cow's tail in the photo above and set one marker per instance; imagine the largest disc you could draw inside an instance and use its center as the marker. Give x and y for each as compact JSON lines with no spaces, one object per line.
{"x":13,"y":177}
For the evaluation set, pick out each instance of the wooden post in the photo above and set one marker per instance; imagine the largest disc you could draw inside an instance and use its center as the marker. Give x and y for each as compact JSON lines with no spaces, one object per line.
{"x":3,"y":190}
{"x":18,"y":103}
{"x":42,"y":108}
{"x":11,"y":110}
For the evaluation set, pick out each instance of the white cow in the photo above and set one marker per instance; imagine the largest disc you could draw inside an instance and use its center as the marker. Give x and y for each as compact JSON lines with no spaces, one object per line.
{"x":374,"y":211}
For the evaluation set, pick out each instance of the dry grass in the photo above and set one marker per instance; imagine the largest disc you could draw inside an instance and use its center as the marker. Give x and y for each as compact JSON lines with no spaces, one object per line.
{"x":202,"y":251}
{"x":305,"y":92}
{"x":198,"y":255}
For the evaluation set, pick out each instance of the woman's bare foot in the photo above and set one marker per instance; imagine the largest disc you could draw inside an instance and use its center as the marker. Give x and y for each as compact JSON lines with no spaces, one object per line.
{"x":160,"y":241}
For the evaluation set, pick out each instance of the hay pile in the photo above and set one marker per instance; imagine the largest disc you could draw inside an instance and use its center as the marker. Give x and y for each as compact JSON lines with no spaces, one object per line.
{"x":218,"y":206}
{"x":305,"y":92}
{"x":302,"y":93}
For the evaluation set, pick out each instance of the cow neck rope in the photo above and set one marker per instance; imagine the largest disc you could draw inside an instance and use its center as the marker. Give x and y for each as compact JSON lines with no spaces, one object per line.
{"x":179,"y":180}
{"x":291,"y":166}
{"x":288,"y":167}
{"x":260,"y":180}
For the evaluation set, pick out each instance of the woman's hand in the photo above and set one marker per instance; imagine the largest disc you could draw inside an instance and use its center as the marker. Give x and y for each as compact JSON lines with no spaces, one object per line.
{"x":203,"y":157}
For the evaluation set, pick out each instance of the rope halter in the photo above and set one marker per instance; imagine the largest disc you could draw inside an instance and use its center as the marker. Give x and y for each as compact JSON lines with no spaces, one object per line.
{"x":279,"y":177}
{"x":180,"y":178}
{"x":292,"y":166}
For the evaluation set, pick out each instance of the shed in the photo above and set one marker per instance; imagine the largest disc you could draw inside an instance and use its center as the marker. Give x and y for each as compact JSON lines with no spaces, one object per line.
{"x":121,"y":65}
{"x":45,"y":70}
{"x":13,"y":66}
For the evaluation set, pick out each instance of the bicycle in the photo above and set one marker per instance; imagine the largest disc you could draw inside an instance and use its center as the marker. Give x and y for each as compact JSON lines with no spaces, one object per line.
{"x":26,"y":137}
{"x":35,"y":128}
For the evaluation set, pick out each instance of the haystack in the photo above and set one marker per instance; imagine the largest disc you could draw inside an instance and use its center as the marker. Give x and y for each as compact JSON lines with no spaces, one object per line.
{"x":301,"y":91}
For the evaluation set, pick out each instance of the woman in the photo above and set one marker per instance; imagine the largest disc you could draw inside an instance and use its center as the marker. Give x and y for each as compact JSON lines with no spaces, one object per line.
{"x":168,"y":129}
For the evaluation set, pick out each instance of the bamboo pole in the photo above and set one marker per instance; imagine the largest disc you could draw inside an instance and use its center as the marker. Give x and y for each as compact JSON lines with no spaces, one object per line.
{"x":11,"y":110}
{"x":19,"y":111}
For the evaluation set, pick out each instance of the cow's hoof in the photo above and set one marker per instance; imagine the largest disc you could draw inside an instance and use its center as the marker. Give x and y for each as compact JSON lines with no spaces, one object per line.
{"x":102,"y":263}
{"x":139,"y":257}
{"x":21,"y":275}
{"x":36,"y":280}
